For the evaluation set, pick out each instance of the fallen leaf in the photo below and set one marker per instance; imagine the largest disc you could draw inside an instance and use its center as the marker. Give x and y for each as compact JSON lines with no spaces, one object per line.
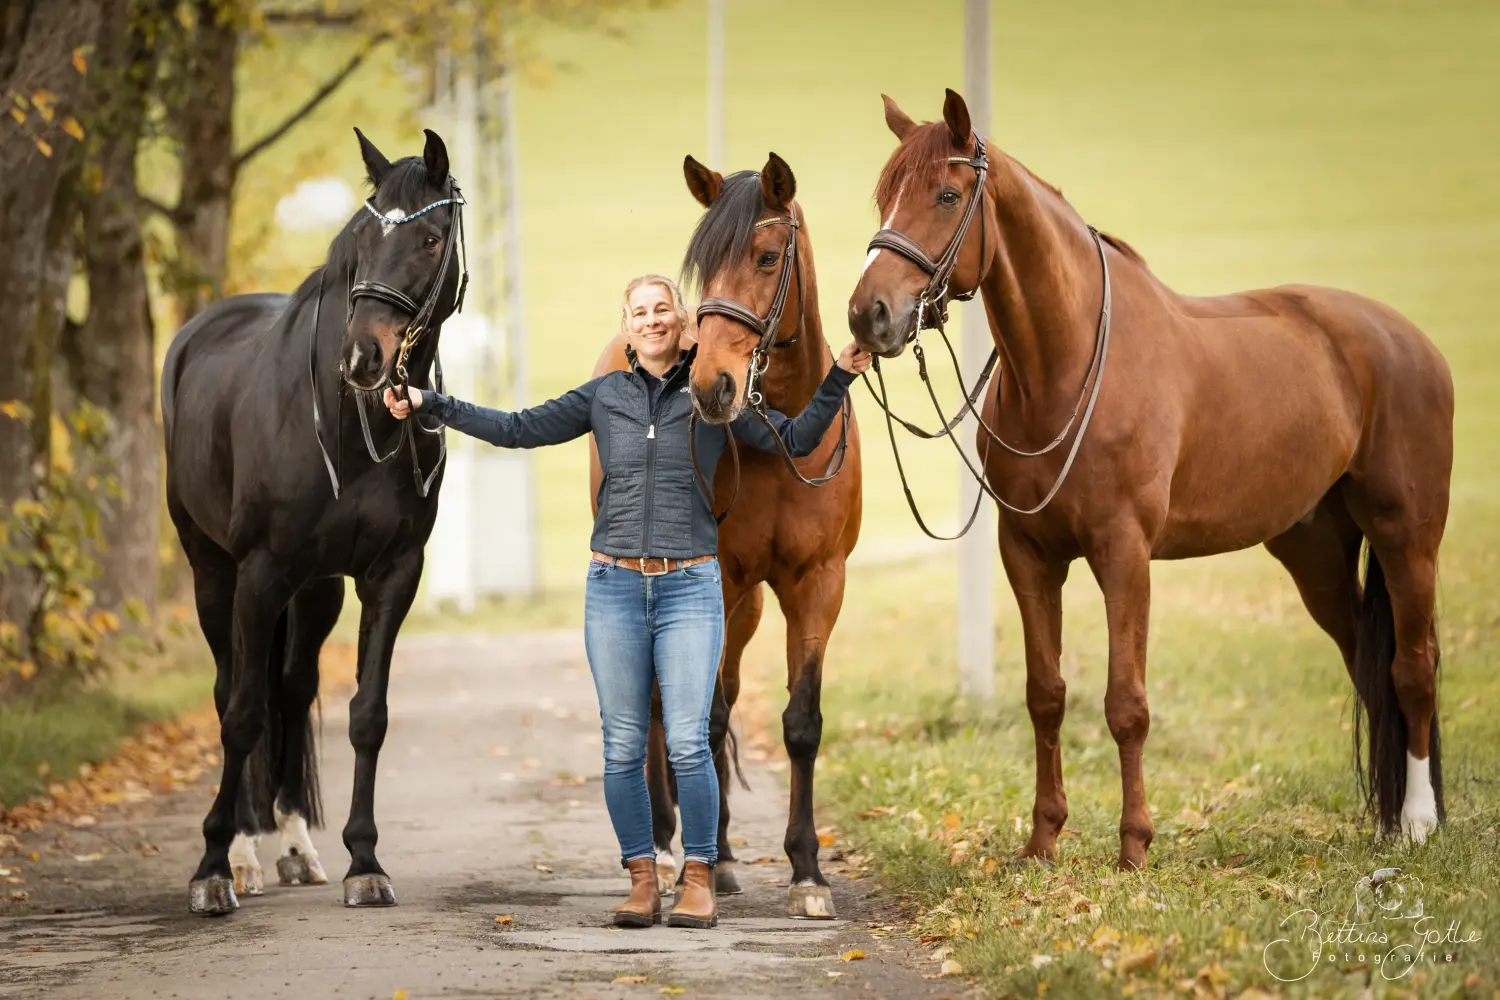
{"x":950,"y":821}
{"x":1037,"y":961}
{"x":37,"y":948}
{"x":941,"y":953}
{"x":399,"y":995}
{"x":852,"y":955}
{"x":672,"y":991}
{"x":879,"y":811}
{"x":84,"y":820}
{"x":86,"y":858}
{"x":950,"y":968}
{"x":18,"y":115}
{"x":19,"y":895}
{"x":80,"y":60}
{"x":630,"y":979}
{"x":545,"y":869}
{"x":504,"y":919}
{"x":1141,"y":958}
{"x":826,"y":840}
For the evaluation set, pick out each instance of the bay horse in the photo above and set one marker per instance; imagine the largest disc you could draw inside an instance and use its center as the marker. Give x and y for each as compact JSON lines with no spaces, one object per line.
{"x":777,"y":530}
{"x":1311,"y":420}
{"x":273,"y":514}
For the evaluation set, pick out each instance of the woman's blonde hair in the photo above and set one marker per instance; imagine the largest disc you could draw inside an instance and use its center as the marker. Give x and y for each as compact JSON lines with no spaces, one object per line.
{"x":678,"y":306}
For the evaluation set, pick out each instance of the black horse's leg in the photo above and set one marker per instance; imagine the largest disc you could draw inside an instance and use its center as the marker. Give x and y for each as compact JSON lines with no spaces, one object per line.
{"x":313,"y":614}
{"x":260,"y":595}
{"x":385,"y":595}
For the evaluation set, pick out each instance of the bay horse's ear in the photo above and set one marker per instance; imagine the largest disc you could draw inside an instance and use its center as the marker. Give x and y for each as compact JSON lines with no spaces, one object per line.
{"x":956,"y":114}
{"x":777,"y":184}
{"x":898,"y":121}
{"x":435,"y":156}
{"x":376,"y":165}
{"x":705,"y":184}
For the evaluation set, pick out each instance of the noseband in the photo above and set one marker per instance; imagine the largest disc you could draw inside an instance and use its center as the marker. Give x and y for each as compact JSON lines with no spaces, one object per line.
{"x":934,"y":298}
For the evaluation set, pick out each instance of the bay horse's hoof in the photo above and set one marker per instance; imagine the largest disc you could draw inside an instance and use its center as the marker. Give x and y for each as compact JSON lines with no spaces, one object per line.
{"x":810,"y":901}
{"x":666,"y":873}
{"x":726,"y":882}
{"x":299,"y":869}
{"x":212,"y":896}
{"x":369,"y":890}
{"x":249,"y":881}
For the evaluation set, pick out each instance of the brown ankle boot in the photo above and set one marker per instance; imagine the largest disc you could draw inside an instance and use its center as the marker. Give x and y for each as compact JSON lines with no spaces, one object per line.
{"x":643,"y":908}
{"x":696,"y":906}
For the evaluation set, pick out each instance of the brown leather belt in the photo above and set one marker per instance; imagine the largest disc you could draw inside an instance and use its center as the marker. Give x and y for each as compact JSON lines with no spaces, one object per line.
{"x":650,"y":565}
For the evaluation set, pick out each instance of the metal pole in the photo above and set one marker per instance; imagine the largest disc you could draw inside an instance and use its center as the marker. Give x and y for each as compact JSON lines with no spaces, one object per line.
{"x":716,"y":84}
{"x":976,"y":550}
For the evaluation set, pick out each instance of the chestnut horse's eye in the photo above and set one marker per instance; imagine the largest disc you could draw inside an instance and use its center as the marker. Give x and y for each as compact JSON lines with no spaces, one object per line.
{"x":948,"y":197}
{"x":767,"y":259}
{"x":431,"y":242}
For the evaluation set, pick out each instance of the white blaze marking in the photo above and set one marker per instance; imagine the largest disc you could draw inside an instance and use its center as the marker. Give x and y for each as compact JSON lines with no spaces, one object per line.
{"x":294,"y":834}
{"x":354,"y":358}
{"x":387,"y":226}
{"x":1419,"y":811}
{"x":242,"y":852}
{"x":870,"y":257}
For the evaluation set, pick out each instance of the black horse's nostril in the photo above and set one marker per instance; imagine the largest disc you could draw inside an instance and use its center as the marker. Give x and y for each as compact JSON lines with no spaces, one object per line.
{"x":724,"y":391}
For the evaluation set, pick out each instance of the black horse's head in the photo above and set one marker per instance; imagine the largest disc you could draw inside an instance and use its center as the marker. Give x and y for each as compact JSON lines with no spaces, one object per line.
{"x":399,"y":246}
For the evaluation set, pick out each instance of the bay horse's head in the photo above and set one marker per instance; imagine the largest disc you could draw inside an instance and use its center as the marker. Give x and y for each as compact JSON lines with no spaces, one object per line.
{"x":743,"y":258}
{"x":403,"y":265}
{"x":932,"y":244}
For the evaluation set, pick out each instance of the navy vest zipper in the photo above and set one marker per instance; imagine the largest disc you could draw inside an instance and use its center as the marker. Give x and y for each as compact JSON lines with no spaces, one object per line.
{"x":652,"y":409}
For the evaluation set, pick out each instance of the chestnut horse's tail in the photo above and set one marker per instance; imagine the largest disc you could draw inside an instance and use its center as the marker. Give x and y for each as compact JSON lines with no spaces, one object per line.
{"x":1379,"y":725}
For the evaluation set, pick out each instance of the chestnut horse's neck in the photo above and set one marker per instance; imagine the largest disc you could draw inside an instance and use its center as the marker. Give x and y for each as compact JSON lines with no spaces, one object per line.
{"x":1042,"y":291}
{"x":797,"y":371}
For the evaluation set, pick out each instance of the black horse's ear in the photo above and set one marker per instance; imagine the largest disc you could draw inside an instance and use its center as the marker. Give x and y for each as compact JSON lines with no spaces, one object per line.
{"x":435,"y":156}
{"x":777,"y":183}
{"x":376,"y":165}
{"x":956,"y":114}
{"x":706,"y":185}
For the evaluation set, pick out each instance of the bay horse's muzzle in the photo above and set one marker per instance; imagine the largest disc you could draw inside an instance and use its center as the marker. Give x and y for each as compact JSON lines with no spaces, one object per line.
{"x":718,"y":402}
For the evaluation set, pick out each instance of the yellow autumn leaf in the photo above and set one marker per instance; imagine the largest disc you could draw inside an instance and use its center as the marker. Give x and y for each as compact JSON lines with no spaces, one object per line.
{"x":950,"y":968}
{"x":950,"y":821}
{"x":499,"y":919}
{"x":70,"y":125}
{"x":672,"y":991}
{"x":80,"y":60}
{"x":27,"y":670}
{"x":399,"y":995}
{"x":44,"y":146}
{"x":43,"y":100}
{"x":826,"y":840}
{"x":852,"y":955}
{"x":629,"y":980}
{"x":18,"y":115}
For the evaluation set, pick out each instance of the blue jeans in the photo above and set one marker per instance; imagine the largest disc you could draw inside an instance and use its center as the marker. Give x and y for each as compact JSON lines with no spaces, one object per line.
{"x":669,"y":628}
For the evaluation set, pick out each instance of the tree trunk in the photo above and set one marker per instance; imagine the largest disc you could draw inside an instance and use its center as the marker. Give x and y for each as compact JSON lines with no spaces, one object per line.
{"x":206,"y":130}
{"x":38,"y":39}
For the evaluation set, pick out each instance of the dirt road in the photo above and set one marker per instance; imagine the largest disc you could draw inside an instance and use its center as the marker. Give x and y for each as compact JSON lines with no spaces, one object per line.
{"x":490,"y":804}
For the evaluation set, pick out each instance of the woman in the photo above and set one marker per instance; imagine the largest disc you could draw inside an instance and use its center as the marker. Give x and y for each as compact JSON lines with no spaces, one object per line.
{"x":654,"y":605}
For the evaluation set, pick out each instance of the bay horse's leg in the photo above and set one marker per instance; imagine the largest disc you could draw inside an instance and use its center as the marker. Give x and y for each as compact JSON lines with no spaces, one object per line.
{"x":313,"y":613}
{"x":385,"y":595}
{"x":744,"y":619}
{"x":1037,"y":583}
{"x":1122,"y":565}
{"x":811,"y":607}
{"x":663,"y":790}
{"x":260,"y":595}
{"x":1322,"y":556}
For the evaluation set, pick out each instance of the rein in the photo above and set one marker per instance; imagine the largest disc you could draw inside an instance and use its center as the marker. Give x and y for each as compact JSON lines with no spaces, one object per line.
{"x":421,"y":319}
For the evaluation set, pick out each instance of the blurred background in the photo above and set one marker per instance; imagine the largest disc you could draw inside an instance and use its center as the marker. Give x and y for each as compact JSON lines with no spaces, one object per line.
{"x":162,"y":153}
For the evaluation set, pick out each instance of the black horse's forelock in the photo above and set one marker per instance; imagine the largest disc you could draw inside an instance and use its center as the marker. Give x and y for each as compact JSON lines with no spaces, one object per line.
{"x":724,"y":232}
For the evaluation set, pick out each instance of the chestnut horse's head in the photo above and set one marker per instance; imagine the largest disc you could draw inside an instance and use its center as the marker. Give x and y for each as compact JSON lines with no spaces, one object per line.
{"x":401,"y":259}
{"x":743,"y":254}
{"x":923,"y":194}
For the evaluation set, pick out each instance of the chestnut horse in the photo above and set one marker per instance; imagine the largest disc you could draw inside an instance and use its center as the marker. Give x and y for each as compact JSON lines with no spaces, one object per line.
{"x":778,"y":530}
{"x":1311,"y":420}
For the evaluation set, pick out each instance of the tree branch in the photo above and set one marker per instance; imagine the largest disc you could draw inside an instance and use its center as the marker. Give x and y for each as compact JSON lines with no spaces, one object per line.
{"x":316,"y":18}
{"x":152,"y":205}
{"x":310,"y":105}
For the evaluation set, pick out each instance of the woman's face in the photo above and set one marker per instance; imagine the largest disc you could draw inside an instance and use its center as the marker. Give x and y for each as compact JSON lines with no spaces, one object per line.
{"x":651,"y":326}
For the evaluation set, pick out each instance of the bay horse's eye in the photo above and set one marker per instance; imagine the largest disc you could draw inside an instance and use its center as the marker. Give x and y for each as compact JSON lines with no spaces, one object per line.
{"x":431,"y":242}
{"x":948,"y":197}
{"x":767,"y":259}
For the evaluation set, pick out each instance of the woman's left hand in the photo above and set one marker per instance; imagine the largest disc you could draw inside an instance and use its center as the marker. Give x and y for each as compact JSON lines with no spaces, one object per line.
{"x":854,"y":360}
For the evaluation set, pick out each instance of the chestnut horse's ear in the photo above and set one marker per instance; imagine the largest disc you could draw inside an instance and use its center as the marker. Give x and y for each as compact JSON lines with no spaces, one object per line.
{"x":956,"y":114}
{"x":898,"y":121}
{"x":777,"y":184}
{"x":435,"y":156}
{"x":376,"y":165}
{"x":705,"y":184}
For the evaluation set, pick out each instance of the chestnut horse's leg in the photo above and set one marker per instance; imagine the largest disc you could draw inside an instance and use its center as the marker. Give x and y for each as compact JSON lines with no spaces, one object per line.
{"x":810,"y":605}
{"x":744,"y":619}
{"x":663,"y":791}
{"x":384,"y":596}
{"x":1122,"y":565}
{"x":1037,"y":584}
{"x":1322,"y":557}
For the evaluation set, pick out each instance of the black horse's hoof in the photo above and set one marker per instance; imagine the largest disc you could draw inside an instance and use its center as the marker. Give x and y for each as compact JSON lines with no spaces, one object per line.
{"x":212,"y":896}
{"x":299,"y":869}
{"x":369,"y":890}
{"x":810,"y":901}
{"x":726,"y":882}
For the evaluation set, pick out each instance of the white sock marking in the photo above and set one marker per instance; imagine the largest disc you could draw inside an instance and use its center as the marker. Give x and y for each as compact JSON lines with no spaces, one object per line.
{"x":1419,"y":811}
{"x":242,"y":851}
{"x":294,"y":834}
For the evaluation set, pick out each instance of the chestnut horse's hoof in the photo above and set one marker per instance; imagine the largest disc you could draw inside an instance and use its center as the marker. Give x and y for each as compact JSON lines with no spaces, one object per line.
{"x":212,"y":896}
{"x":726,"y":882}
{"x":369,"y":890}
{"x":299,"y":869}
{"x":810,"y":901}
{"x":1032,"y":861}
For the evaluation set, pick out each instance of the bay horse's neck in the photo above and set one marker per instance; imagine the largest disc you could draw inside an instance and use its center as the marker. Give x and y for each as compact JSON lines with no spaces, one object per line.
{"x":797,"y":371}
{"x":1042,"y":290}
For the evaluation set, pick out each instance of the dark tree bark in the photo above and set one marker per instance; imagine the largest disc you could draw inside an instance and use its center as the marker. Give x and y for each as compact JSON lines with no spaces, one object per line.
{"x":205,"y":127}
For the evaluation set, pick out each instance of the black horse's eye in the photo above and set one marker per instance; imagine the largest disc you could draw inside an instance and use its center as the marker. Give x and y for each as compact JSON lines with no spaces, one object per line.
{"x":948,"y":197}
{"x":767,"y":259}
{"x":431,"y":242}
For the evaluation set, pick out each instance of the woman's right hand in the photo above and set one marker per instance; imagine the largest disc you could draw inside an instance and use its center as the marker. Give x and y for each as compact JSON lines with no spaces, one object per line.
{"x":401,"y":408}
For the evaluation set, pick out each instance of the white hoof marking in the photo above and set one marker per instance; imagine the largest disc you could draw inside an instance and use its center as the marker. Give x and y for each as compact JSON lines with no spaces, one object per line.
{"x":666,"y":873}
{"x":249,"y":880}
{"x":295,"y":840}
{"x":1419,"y":811}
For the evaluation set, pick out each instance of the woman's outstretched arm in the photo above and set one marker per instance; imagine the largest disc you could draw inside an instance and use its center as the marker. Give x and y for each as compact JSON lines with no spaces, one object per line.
{"x":553,"y":422}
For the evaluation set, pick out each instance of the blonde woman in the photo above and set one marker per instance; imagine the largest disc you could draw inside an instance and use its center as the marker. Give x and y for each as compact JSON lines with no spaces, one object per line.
{"x":654,"y":607}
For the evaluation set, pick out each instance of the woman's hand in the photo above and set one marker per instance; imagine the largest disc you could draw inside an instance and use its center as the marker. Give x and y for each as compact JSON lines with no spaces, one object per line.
{"x":401,"y":408}
{"x":854,"y":360}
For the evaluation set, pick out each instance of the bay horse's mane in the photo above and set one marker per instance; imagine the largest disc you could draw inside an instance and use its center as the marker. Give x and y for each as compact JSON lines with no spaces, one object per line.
{"x":923,"y":158}
{"x":725,"y":231}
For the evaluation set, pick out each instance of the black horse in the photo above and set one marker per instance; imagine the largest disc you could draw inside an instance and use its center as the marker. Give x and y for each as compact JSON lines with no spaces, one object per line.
{"x":273,"y":513}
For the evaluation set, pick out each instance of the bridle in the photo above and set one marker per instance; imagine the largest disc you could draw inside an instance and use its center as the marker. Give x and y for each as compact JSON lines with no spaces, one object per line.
{"x":767,"y":327}
{"x":421,"y":320}
{"x":933,"y":304}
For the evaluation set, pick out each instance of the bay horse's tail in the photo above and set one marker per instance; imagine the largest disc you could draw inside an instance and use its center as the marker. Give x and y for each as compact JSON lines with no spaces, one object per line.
{"x":265,"y":766}
{"x":1380,"y":730}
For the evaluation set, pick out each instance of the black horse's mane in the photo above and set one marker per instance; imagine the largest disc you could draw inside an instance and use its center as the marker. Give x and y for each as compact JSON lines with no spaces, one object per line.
{"x":725,"y":231}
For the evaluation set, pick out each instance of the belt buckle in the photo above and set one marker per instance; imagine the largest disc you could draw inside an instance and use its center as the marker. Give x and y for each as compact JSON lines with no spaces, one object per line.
{"x":646,"y":561}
